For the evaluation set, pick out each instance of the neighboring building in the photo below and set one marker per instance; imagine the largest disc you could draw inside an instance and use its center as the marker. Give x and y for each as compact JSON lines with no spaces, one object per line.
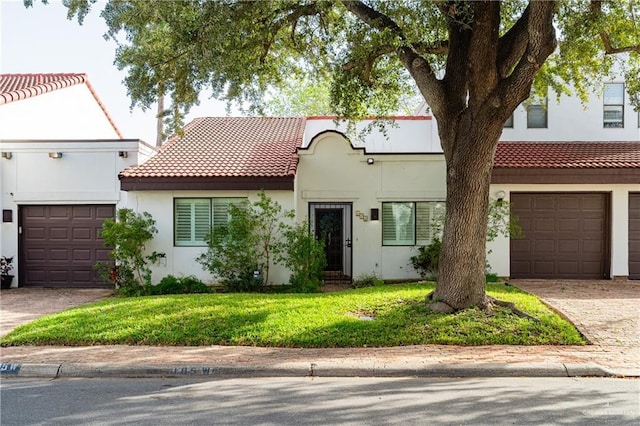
{"x":61,"y":154}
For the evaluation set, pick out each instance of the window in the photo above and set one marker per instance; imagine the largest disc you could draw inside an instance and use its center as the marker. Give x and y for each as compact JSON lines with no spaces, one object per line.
{"x":194,"y":218}
{"x":509,"y":123}
{"x":409,"y":223}
{"x":613,"y":114}
{"x":537,"y":113}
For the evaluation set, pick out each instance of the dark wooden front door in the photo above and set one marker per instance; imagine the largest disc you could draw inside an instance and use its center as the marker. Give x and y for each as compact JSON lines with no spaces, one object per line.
{"x":329,"y":229}
{"x":60,"y":244}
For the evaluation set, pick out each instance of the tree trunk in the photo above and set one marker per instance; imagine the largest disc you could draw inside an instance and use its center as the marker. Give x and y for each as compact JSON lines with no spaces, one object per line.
{"x":461,"y":272}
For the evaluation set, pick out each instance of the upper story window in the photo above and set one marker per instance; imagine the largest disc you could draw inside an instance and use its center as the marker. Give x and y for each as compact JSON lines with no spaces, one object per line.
{"x":194,"y":218}
{"x":613,"y":115}
{"x":537,"y":113}
{"x":409,"y":223}
{"x":509,"y":123}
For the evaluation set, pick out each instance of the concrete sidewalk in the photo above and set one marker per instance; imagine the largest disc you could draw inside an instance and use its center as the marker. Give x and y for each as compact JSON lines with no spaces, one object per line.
{"x":606,"y":312}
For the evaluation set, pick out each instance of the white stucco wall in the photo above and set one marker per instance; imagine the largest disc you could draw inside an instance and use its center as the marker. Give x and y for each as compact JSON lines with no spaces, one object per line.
{"x":570,"y":120}
{"x":499,"y":256}
{"x":87,"y":173}
{"x":181,"y":261}
{"x":331,"y":171}
{"x":406,"y":135}
{"x":68,"y":113}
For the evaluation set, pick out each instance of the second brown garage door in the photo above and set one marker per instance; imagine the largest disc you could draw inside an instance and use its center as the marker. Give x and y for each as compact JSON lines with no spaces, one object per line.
{"x":59,"y":245}
{"x":566,"y":235}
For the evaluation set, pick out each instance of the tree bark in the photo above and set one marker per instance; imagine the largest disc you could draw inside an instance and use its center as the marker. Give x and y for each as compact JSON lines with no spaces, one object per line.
{"x":461,"y":275}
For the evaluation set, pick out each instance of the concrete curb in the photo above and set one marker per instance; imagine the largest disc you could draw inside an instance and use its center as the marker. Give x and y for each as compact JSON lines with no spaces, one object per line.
{"x":71,"y":370}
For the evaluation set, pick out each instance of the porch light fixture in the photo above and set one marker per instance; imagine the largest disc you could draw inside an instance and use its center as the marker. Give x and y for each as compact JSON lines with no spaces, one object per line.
{"x":123,"y":154}
{"x":370,"y":161}
{"x":55,"y":155}
{"x":7,"y":155}
{"x":500,"y":195}
{"x":375,"y":214}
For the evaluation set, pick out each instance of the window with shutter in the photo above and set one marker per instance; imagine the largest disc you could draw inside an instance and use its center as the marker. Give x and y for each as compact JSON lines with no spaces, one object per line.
{"x":427,"y":212}
{"x":192,"y":221}
{"x":398,"y":224}
{"x":196,"y":217}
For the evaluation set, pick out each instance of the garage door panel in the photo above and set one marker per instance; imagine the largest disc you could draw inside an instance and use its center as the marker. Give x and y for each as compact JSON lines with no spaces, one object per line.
{"x":569,"y":237}
{"x":568,"y":204}
{"x":568,"y":246}
{"x":83,"y":234}
{"x":35,"y":233}
{"x":60,"y":245}
{"x":544,"y":246}
{"x":58,"y":213}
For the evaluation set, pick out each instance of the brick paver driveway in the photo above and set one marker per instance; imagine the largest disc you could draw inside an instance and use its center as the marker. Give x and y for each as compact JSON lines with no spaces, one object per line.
{"x":21,"y":305}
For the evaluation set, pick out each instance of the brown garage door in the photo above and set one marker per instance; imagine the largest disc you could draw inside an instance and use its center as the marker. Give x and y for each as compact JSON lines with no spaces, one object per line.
{"x":634,"y":236}
{"x":59,"y":245}
{"x":566,"y":235}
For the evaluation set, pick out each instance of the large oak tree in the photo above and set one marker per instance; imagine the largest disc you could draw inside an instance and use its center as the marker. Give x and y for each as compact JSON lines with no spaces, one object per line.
{"x":473,"y":62}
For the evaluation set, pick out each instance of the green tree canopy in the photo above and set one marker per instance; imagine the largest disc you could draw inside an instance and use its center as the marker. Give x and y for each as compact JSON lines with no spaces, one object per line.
{"x":473,"y":62}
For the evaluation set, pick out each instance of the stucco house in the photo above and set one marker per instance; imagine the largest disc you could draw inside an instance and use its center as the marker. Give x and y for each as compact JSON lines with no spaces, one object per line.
{"x":572,"y":175}
{"x":61,"y":154}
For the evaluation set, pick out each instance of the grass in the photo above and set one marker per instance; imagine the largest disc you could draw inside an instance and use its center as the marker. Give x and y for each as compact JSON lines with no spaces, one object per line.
{"x":298,"y":320}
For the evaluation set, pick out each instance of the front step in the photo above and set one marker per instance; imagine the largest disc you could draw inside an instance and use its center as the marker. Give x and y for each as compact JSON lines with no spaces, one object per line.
{"x":336,"y":277}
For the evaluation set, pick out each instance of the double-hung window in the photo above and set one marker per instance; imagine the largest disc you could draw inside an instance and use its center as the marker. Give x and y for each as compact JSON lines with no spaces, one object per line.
{"x":410,"y":223}
{"x":194,"y":218}
{"x":537,"y":113}
{"x":613,"y":113}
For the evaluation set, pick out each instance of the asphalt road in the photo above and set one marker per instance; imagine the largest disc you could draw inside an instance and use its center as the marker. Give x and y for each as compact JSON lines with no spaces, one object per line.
{"x":321,"y":401}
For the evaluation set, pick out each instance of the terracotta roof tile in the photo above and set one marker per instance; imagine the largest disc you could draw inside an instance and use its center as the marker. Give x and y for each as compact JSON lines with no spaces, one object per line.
{"x":564,"y":155}
{"x":228,"y":147}
{"x":15,"y":87}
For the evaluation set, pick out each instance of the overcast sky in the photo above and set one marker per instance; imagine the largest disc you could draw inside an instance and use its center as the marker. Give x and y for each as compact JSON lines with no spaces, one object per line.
{"x":41,"y":40}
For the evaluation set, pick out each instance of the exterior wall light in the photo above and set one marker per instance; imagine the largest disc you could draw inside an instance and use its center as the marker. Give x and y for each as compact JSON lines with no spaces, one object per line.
{"x":7,"y":155}
{"x":123,"y":154}
{"x":55,"y":155}
{"x":500,"y":195}
{"x":370,"y":161}
{"x":375,"y":214}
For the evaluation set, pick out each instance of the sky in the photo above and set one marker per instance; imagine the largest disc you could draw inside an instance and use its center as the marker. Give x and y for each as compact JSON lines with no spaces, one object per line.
{"x":41,"y":40}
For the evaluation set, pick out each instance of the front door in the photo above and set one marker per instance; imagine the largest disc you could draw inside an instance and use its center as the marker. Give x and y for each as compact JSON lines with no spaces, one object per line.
{"x":331,"y":223}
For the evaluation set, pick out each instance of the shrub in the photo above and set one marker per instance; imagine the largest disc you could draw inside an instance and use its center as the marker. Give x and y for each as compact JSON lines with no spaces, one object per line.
{"x":367,"y":280}
{"x":304,"y":256}
{"x":240,"y":252}
{"x":128,"y":235}
{"x":426,"y":261}
{"x":179,"y":285}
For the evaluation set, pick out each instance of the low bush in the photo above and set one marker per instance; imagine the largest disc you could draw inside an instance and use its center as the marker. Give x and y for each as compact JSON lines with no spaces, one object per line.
{"x":426,"y":261}
{"x":179,"y":285}
{"x":367,"y":280}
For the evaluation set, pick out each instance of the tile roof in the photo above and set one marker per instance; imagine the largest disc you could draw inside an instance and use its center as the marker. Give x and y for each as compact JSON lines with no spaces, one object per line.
{"x":16,"y":87}
{"x":568,"y":155}
{"x":228,"y":147}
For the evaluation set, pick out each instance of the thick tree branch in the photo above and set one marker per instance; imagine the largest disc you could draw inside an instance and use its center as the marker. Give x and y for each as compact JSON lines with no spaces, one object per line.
{"x":418,"y":67}
{"x":541,"y":43}
{"x":483,"y":51}
{"x":512,"y":44}
{"x":596,"y":8}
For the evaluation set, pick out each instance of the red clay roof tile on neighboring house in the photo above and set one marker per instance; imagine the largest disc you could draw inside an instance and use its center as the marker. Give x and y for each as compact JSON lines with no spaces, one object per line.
{"x":16,"y":87}
{"x":214,"y":147}
{"x":568,"y":155}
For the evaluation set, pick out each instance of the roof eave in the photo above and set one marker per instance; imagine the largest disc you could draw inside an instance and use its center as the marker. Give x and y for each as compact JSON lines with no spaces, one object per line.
{"x":242,"y":183}
{"x":551,"y":175}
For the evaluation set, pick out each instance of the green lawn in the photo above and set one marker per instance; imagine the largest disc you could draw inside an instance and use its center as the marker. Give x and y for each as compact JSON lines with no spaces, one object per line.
{"x":298,"y":320}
